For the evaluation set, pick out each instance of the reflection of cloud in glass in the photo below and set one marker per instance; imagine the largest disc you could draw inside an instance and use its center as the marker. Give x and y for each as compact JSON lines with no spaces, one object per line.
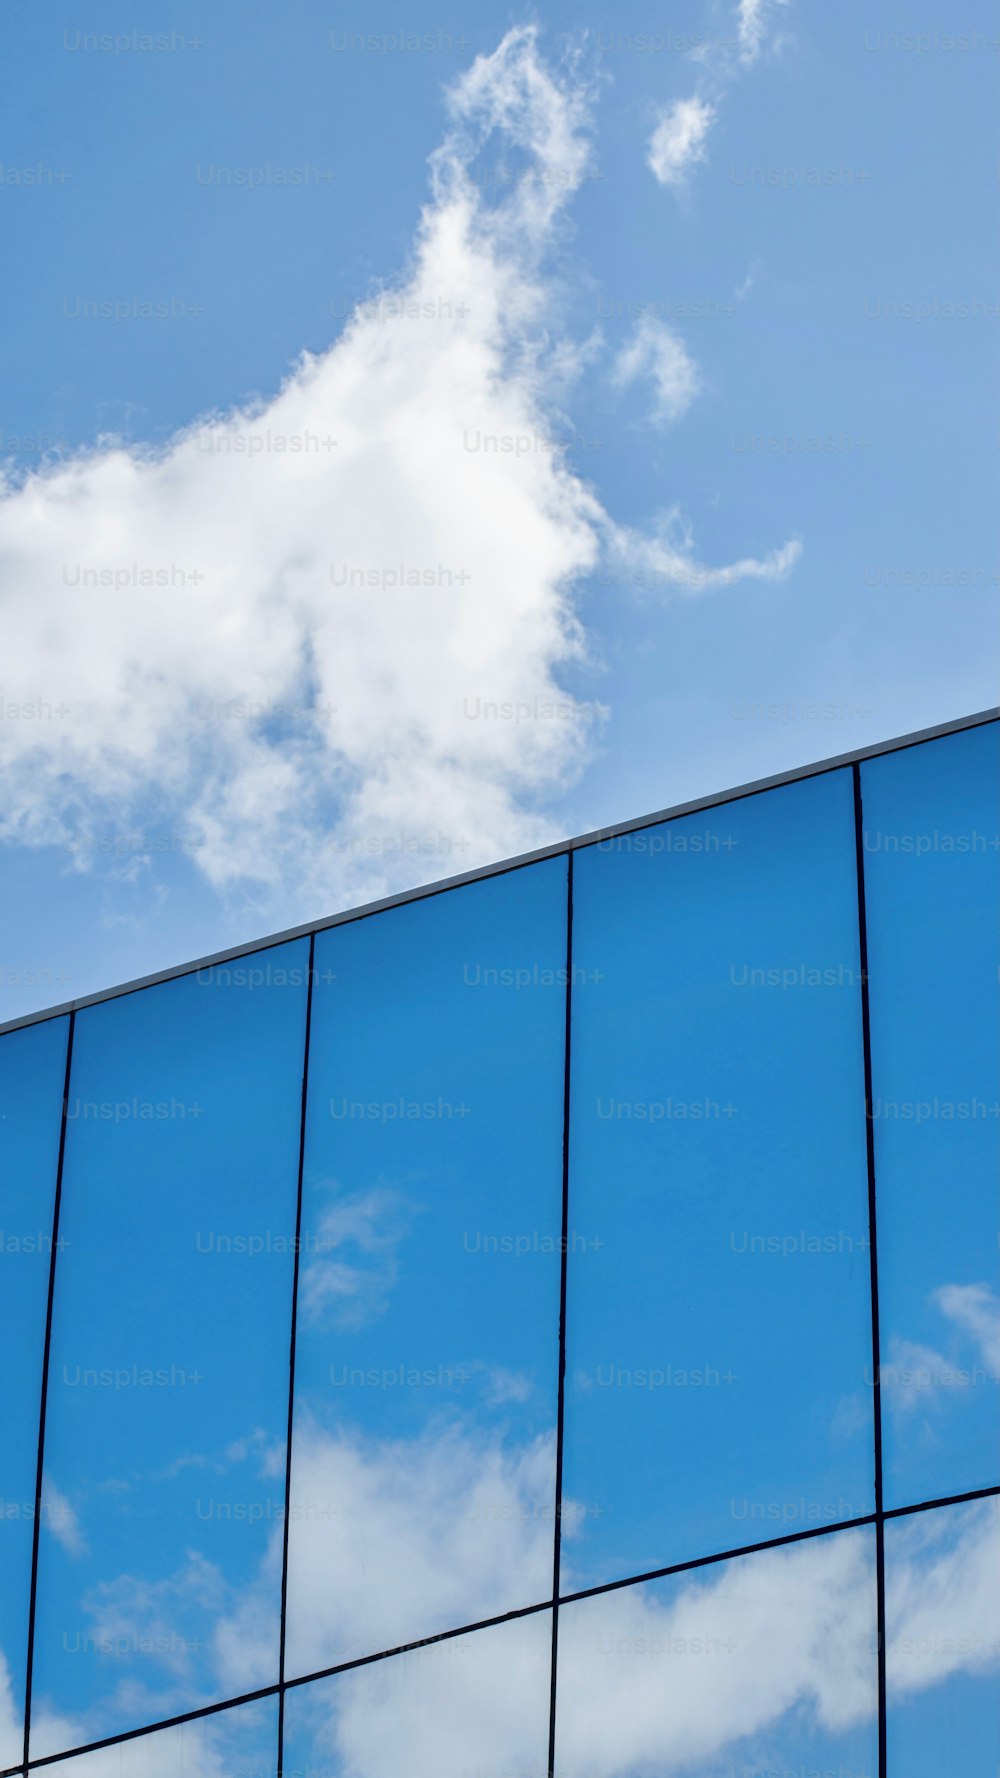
{"x":665,"y":1676}
{"x":61,"y":1519}
{"x":473,"y":1707}
{"x":157,"y":1640}
{"x":943,"y":1596}
{"x":11,"y":1728}
{"x":919,"y":1374}
{"x":395,"y":1539}
{"x":132,"y":1614}
{"x":504,"y":1386}
{"x":349,"y":1276}
{"x":235,"y":1744}
{"x":168,"y":1343}
{"x":661,"y":1676}
{"x":975,"y":1308}
{"x":762,"y":1652}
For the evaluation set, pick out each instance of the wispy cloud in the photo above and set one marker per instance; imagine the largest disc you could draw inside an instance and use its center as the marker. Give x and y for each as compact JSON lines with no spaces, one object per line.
{"x":976,"y":1310}
{"x":754,"y":21}
{"x":919,"y":1375}
{"x":11,"y":1729}
{"x":678,"y":141}
{"x":656,"y":351}
{"x":348,"y":1279}
{"x":61,"y":1519}
{"x":666,"y":561}
{"x":941,"y":1598}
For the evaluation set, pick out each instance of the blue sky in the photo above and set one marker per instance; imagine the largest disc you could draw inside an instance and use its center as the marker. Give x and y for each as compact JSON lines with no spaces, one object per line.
{"x":720,"y":277}
{"x":425,"y":440}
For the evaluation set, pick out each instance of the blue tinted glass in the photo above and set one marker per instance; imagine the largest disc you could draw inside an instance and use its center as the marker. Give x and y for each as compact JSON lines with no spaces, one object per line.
{"x":168,"y":1383}
{"x":719,"y":1333}
{"x":474,"y":1706}
{"x":423,"y":1450}
{"x":942,"y":1581}
{"x":32,"y":1071}
{"x":765,"y":1664}
{"x":233,"y":1744}
{"x":932,"y":889}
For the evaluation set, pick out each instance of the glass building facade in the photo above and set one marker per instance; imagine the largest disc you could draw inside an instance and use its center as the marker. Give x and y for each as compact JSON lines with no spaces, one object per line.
{"x":547,"y":1323}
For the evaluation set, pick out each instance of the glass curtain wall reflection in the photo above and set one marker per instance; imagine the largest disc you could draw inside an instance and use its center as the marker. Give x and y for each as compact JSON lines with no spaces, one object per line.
{"x":932,"y":872}
{"x":32,"y":1075}
{"x":719,"y":1345}
{"x":424,"y":1445}
{"x":537,"y":1208}
{"x":158,"y":1581}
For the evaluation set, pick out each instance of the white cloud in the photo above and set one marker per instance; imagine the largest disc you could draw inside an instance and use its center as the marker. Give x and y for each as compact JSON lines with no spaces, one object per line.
{"x":369,"y":1226}
{"x":657,"y":352}
{"x":915,"y":1374}
{"x":443,"y":463}
{"x":133,"y":1610}
{"x":61,"y":1519}
{"x":656,"y":1682}
{"x":652,"y":1678}
{"x":153,"y":1655}
{"x":309,"y":737}
{"x":243,"y":1638}
{"x":754,"y":19}
{"x":505,"y":1385}
{"x":475,"y":1704}
{"x":666,"y":560}
{"x":11,"y":1724}
{"x":243,"y":1740}
{"x":942,"y":1596}
{"x":661,"y":1677}
{"x":976,"y":1309}
{"x":746,"y":283}
{"x":678,"y":141}
{"x":396,"y":1539}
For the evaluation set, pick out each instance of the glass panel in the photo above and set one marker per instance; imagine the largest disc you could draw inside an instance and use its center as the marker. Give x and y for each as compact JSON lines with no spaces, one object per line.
{"x":233,"y":1744}
{"x":423,"y":1452}
{"x":942,"y":1581}
{"x":474,"y":1706}
{"x":32,"y":1072}
{"x":719,"y":1333}
{"x":763,"y":1664}
{"x":168,"y":1382}
{"x":932,"y":886}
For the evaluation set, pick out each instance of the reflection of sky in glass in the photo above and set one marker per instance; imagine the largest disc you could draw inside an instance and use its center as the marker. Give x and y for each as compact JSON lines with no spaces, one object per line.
{"x":474,"y":1706}
{"x":932,"y":872}
{"x":718,"y":1378}
{"x":719,"y":1343}
{"x":423,"y":1455}
{"x":761,"y":1664}
{"x":32,"y":1071}
{"x":942,"y":1583}
{"x":233,"y":1744}
{"x":168,"y":1380}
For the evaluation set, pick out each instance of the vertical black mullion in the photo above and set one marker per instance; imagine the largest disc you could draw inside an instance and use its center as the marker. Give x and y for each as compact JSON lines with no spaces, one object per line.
{"x":291,"y":1356}
{"x":43,"y":1401}
{"x":563,"y":1269}
{"x":873,"y":1266}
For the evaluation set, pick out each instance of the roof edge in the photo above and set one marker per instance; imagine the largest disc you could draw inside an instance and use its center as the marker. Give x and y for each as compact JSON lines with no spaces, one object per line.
{"x":483,"y":872}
